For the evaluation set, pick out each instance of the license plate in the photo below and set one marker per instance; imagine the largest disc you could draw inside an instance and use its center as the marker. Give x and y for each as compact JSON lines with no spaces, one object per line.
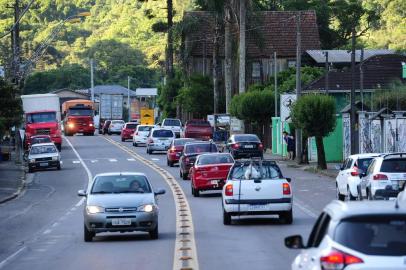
{"x":43,"y":164}
{"x":249,"y":146}
{"x":258,"y":207}
{"x":214,"y":182}
{"x":121,"y":221}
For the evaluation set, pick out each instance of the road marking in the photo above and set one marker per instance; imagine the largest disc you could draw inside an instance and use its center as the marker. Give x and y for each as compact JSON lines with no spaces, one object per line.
{"x":80,"y":202}
{"x":112,"y":160}
{"x":94,"y":161}
{"x":155,"y":159}
{"x":305,"y":209}
{"x":9,"y":258}
{"x":130,"y":159}
{"x":185,"y":255}
{"x":48,"y":231}
{"x":76,"y":162}
{"x":89,"y":174}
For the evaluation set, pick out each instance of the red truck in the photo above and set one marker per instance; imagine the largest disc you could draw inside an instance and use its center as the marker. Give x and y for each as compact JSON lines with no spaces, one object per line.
{"x":78,"y":117}
{"x":198,"y":129}
{"x":42,"y":117}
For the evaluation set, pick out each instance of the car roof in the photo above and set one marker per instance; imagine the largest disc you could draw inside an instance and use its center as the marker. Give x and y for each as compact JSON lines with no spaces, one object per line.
{"x":339,"y":210}
{"x":44,"y":144}
{"x":366,"y":155}
{"x":215,"y":153}
{"x":131,"y":123}
{"x":199,"y":142}
{"x":119,"y":173}
{"x":40,"y":136}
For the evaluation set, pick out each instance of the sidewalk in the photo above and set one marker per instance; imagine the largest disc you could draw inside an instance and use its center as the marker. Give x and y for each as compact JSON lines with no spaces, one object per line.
{"x":311,"y":167}
{"x":12,"y":179}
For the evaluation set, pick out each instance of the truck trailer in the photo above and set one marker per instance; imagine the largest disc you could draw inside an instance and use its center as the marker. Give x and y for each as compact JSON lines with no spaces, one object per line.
{"x":110,"y":108}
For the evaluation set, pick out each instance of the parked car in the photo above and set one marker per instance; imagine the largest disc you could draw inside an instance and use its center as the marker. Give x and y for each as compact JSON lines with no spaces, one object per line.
{"x":42,"y":156}
{"x":105,"y":128}
{"x":116,"y":126}
{"x":198,"y":129}
{"x":159,"y":139}
{"x":175,"y":150}
{"x":128,"y":131}
{"x":40,"y":139}
{"x":385,"y":177}
{"x":210,"y":172}
{"x":256,"y":187}
{"x":245,"y":145}
{"x":189,"y":154}
{"x":141,"y":134}
{"x":173,"y":124}
{"x":348,"y":178}
{"x":120,"y":202}
{"x":354,"y":235}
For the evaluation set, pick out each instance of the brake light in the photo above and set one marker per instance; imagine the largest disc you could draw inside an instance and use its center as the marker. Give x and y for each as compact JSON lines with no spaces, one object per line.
{"x":229,"y":190}
{"x":261,"y":146}
{"x":286,"y":189}
{"x":338,"y":260}
{"x":355,"y":172}
{"x":380,"y":176}
{"x":235,"y":146}
{"x":172,"y":149}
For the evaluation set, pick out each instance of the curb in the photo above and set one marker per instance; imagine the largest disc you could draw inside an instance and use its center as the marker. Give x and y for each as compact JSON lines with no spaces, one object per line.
{"x":20,"y":189}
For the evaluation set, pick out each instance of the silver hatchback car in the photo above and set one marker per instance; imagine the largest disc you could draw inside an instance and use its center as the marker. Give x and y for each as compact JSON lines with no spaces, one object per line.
{"x":120,"y":202}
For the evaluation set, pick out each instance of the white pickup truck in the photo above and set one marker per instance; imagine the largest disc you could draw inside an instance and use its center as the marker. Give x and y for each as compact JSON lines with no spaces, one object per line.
{"x":174,"y":124}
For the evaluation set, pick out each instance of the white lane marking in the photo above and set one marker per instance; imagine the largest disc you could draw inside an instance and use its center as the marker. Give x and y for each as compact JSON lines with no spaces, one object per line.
{"x":112,"y":160}
{"x":9,"y":258}
{"x":305,"y":209}
{"x":55,"y":224}
{"x":130,"y":159}
{"x":155,"y":159}
{"x":94,"y":161}
{"x":80,"y":202}
{"x":76,"y":162}
{"x":89,"y":174}
{"x":48,"y":231}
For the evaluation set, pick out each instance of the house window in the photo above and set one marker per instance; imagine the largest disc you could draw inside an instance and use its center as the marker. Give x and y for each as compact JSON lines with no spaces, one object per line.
{"x":291,"y":63}
{"x":256,"y":70}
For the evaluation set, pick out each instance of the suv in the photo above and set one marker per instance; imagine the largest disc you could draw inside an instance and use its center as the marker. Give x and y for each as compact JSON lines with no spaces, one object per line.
{"x":257,"y":187}
{"x":159,"y":139}
{"x":354,"y":235}
{"x":173,"y":124}
{"x":348,"y":178}
{"x":385,"y":177}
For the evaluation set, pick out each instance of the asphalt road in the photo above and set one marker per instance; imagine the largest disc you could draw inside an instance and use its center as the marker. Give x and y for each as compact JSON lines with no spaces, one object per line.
{"x":43,"y":228}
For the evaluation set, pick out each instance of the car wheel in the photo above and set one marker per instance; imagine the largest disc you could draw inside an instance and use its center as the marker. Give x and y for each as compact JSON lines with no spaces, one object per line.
{"x":195,"y":192}
{"x":134,"y":144}
{"x":154,"y":233}
{"x":122,"y":139}
{"x":59,"y":147}
{"x":226,"y":218}
{"x":30,"y":170}
{"x":349,"y":195}
{"x":369,"y":195}
{"x":58,"y":167}
{"x":360,"y":198}
{"x":287,"y":217}
{"x":340,"y":196}
{"x":87,"y":235}
{"x":184,"y":176}
{"x":170,"y":163}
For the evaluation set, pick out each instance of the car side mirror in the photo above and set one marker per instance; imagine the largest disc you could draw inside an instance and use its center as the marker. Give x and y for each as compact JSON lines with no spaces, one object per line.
{"x":160,"y":192}
{"x":294,"y":242}
{"x":288,"y":179}
{"x":82,"y":193}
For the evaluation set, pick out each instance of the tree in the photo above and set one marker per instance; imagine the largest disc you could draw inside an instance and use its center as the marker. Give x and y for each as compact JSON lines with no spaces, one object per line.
{"x":167,"y":94}
{"x":315,"y":115}
{"x":394,"y":99}
{"x":10,"y":104}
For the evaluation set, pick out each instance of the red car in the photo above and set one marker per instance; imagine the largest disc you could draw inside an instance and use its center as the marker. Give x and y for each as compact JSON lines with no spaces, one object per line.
{"x":128,"y":131}
{"x":198,"y":129}
{"x":210,"y":172}
{"x":175,"y":150}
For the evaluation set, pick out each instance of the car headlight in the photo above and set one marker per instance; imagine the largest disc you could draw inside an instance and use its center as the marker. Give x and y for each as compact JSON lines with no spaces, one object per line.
{"x":146,"y":208}
{"x":32,"y":160}
{"x":54,"y":158}
{"x":92,"y":209}
{"x":71,"y":125}
{"x":90,"y":125}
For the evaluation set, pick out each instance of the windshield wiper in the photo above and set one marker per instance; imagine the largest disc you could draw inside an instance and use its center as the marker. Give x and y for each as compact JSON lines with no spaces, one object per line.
{"x":131,"y":191}
{"x":102,"y":192}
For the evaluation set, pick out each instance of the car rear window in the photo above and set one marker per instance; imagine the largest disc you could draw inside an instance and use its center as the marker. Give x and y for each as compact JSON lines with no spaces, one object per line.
{"x":162,"y":133}
{"x":255,"y":171}
{"x":363,"y":163}
{"x":383,"y":235}
{"x":117,"y":122}
{"x":131,"y":126}
{"x":172,"y":122}
{"x":200,"y":148}
{"x":397,"y":165}
{"x":215,"y":159}
{"x":120,"y":184}
{"x":202,"y":123}
{"x":144,"y":128}
{"x":182,"y":142}
{"x":246,"y":138}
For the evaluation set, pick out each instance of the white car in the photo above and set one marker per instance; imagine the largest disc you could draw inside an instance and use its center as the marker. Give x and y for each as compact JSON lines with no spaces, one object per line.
{"x":256,"y":187}
{"x":348,"y":178}
{"x":354,"y":235}
{"x":385,"y":177}
{"x":141,"y":134}
{"x":159,"y":139}
{"x":116,"y":126}
{"x":173,"y":124}
{"x":42,"y":156}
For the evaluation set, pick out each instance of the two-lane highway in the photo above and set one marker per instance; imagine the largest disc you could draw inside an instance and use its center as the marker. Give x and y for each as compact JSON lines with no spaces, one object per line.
{"x":43,"y":228}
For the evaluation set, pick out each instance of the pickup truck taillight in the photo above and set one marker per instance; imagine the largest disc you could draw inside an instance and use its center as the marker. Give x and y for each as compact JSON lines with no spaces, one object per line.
{"x":380,"y":176}
{"x":286,"y":189}
{"x":229,"y":190}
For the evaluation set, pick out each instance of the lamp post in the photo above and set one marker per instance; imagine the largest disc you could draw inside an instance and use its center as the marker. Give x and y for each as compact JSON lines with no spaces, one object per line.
{"x":128,"y":98}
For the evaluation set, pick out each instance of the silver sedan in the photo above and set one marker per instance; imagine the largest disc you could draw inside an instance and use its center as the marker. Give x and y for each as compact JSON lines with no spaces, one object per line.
{"x":120,"y":202}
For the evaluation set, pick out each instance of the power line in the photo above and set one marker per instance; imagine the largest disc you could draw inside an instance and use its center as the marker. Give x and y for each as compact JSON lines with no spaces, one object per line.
{"x":18,"y":21}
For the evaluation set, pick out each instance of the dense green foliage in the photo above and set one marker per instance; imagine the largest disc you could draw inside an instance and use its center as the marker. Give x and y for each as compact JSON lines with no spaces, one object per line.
{"x":10,"y":104}
{"x":315,"y":115}
{"x":393,"y":99}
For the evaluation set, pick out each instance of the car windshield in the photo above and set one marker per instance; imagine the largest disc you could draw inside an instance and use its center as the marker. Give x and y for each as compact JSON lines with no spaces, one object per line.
{"x":396,"y":165}
{"x":249,"y":171}
{"x":162,"y":133}
{"x":246,"y":138}
{"x":200,"y":148}
{"x":144,"y":128}
{"x":383,"y":235}
{"x":131,"y":126}
{"x":172,"y":122}
{"x":45,"y":117}
{"x":42,"y":149}
{"x":202,"y":123}
{"x":120,"y":184}
{"x":80,"y":112}
{"x":181,"y":142}
{"x":363,"y":163}
{"x":215,"y":159}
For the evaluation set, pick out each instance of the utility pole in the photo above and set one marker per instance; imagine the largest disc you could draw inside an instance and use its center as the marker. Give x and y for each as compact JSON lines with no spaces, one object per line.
{"x":352,"y":96}
{"x":326,"y":71}
{"x":91,"y":80}
{"x":169,"y":53}
{"x":242,"y":47}
{"x":361,"y":78}
{"x":216,"y":64}
{"x":128,"y":98}
{"x":298,"y":132}
{"x":15,"y":42}
{"x":228,"y":58}
{"x":276,"y":83}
